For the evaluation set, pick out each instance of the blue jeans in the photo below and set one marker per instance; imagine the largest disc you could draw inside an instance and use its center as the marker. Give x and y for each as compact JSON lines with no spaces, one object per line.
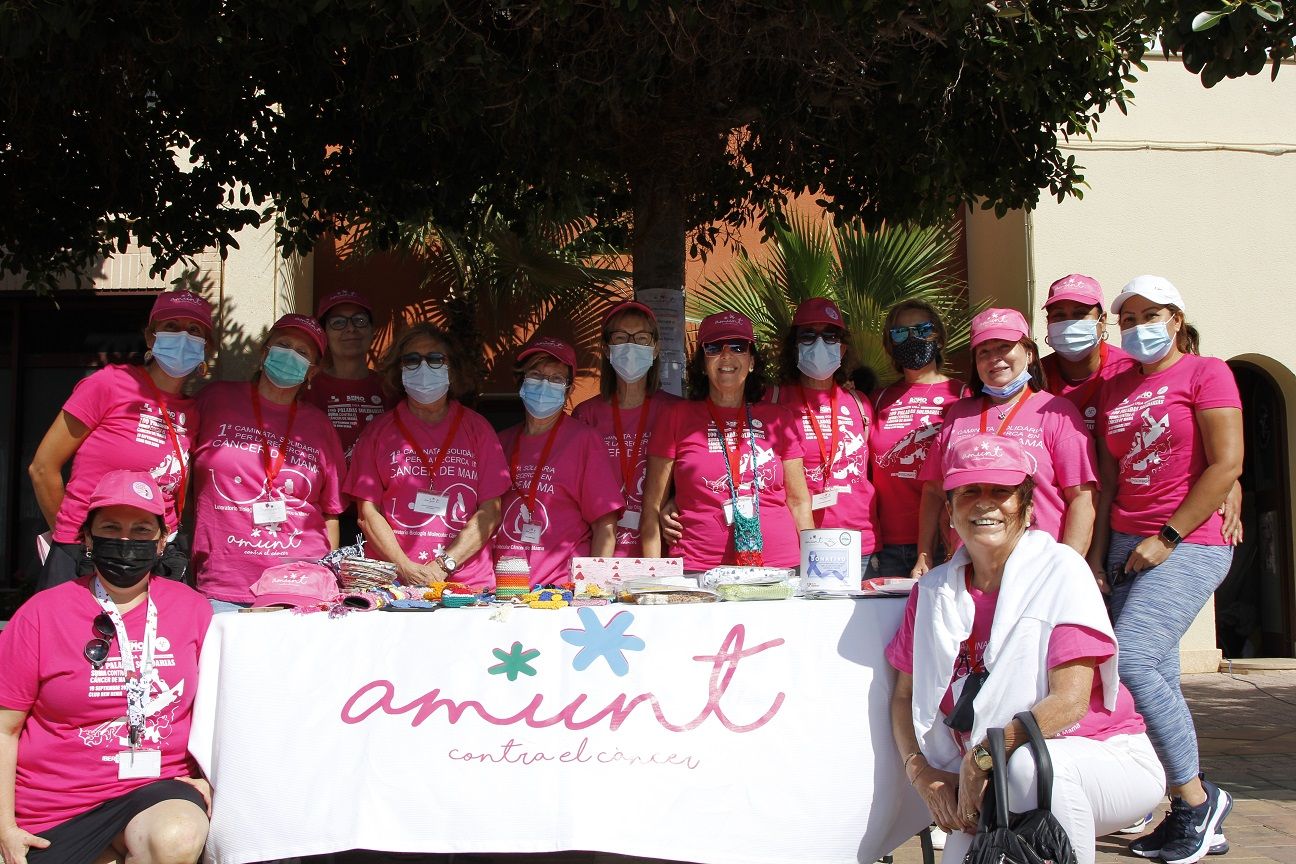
{"x":1152,"y":610}
{"x":894,"y":560}
{"x":219,"y":606}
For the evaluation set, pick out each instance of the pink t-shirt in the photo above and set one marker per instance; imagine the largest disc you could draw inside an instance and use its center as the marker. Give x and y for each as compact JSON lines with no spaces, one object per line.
{"x":907,"y":421}
{"x":1087,"y":395}
{"x":127,"y":431}
{"x":687,"y":434}
{"x":386,"y":471}
{"x":351,"y":405}
{"x":1067,"y":642}
{"x":577,"y":486}
{"x":76,"y":715}
{"x":1149,"y":426}
{"x":596,"y":412}
{"x":1049,"y":428}
{"x":856,"y":507}
{"x":230,"y":550}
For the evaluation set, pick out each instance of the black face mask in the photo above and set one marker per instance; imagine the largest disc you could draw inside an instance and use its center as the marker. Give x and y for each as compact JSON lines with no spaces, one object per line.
{"x":914,"y":353}
{"x":122,"y":563}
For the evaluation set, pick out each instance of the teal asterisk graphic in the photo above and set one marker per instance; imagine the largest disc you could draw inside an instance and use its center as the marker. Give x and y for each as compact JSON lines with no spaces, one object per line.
{"x":514,"y":661}
{"x":608,"y":641}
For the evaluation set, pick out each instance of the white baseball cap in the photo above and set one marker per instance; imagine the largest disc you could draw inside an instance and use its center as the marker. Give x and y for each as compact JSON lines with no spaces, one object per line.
{"x":1158,"y":289}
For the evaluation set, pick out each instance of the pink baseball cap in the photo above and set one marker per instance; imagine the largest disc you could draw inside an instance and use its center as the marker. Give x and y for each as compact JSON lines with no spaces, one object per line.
{"x":986,"y":458}
{"x":171,"y":305}
{"x":131,"y":488}
{"x":1076,"y":287}
{"x":629,"y":306}
{"x":818,"y":310}
{"x":337,"y":298}
{"x":725,"y":325}
{"x":306,"y":325}
{"x":555,"y":348}
{"x":302,"y":584}
{"x":1007,"y":324}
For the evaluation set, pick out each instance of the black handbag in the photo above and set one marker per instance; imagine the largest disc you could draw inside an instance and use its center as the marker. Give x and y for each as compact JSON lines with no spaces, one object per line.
{"x":1033,"y":837}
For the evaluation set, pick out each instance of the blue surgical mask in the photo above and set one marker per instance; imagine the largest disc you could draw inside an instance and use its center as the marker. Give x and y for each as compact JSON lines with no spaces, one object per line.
{"x":630,"y":361}
{"x":1147,"y":343}
{"x":285,"y":367}
{"x":542,"y":399}
{"x":425,"y":385}
{"x":818,"y":360}
{"x":1011,"y":389}
{"x":1074,"y":340}
{"x":178,"y":353}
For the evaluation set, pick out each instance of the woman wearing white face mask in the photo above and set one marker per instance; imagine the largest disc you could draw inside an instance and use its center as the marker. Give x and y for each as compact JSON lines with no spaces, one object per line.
{"x":427,"y":476}
{"x":565,"y":497}
{"x":1171,"y":433}
{"x":628,"y":404}
{"x":1082,"y":360}
{"x":268,"y":469}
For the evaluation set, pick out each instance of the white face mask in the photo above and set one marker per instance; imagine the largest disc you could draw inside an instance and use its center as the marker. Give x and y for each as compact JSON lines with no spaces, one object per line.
{"x":1148,"y":343}
{"x":425,"y":385}
{"x":630,"y":361}
{"x":1074,"y":340}
{"x":819,"y":360}
{"x":542,"y":399}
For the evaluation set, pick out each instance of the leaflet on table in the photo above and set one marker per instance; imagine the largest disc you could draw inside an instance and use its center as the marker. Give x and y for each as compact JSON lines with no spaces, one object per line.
{"x":830,"y":560}
{"x":603,"y":572}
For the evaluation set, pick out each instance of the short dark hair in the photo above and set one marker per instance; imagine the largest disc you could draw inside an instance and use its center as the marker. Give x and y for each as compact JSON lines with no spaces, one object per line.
{"x":462,"y":380}
{"x":1036,"y":369}
{"x":789,"y":372}
{"x":84,"y":531}
{"x":938,"y":324}
{"x":607,"y":375}
{"x":699,"y":386}
{"x":520,"y":369}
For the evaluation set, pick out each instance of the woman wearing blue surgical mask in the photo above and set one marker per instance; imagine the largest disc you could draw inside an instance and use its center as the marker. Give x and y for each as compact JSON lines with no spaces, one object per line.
{"x":564,"y":497}
{"x":428,"y":475}
{"x":268,"y":469}
{"x":628,"y":403}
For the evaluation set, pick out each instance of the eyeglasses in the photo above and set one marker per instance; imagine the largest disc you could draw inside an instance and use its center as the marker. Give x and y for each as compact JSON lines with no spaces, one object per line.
{"x":921,"y":331}
{"x":560,"y":380}
{"x":360,"y":321}
{"x":735,"y":346}
{"x":621,"y":337}
{"x":96,"y":650}
{"x":830,"y":336}
{"x":410,"y":362}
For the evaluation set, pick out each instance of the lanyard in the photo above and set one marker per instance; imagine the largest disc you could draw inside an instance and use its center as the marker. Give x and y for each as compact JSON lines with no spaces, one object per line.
{"x":271,"y":466}
{"x":629,"y":456}
{"x":137,"y":681}
{"x":419,"y":453}
{"x":1084,"y":394}
{"x":734,"y":457}
{"x":1007,"y":421}
{"x":530,"y":495}
{"x":827,"y":454}
{"x":160,"y":398}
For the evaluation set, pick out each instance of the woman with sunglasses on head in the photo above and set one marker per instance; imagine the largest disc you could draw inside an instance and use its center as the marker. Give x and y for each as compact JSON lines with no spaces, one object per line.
{"x":1171,"y":448}
{"x":629,"y":401}
{"x":427,"y":477}
{"x":125,"y":417}
{"x":1009,"y":400}
{"x":736,"y":462}
{"x":908,"y":416}
{"x":564,"y":498}
{"x":268,"y":469}
{"x":94,"y":762}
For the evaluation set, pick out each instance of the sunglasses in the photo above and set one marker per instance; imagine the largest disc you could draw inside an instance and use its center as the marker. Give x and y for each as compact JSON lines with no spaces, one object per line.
{"x":411,"y":361}
{"x":921,"y":331}
{"x":359,"y":321}
{"x":735,"y":346}
{"x":830,"y":336}
{"x":96,"y":650}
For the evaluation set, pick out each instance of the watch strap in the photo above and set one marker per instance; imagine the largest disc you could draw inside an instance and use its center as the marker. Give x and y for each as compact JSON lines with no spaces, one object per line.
{"x":1169,"y":534}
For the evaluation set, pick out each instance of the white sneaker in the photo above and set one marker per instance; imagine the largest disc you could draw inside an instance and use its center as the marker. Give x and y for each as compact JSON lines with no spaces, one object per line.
{"x":1137,"y":827}
{"x":938,"y":838}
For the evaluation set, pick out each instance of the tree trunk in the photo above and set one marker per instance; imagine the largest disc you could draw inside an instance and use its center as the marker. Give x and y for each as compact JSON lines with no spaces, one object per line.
{"x":657,"y":252}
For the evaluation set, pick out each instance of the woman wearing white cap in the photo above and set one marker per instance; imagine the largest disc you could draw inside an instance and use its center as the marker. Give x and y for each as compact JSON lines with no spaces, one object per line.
{"x":1171,"y":432}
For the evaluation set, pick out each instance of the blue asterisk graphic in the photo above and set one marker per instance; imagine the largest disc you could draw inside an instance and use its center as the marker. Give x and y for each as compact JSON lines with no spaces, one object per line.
{"x":608,"y":641}
{"x":515,"y":661}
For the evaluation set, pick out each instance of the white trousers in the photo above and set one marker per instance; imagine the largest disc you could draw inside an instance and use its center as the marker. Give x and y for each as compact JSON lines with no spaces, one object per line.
{"x":1098,"y":787}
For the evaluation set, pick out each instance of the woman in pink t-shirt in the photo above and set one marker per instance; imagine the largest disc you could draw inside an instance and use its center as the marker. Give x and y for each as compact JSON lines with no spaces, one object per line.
{"x":268,"y":469}
{"x":736,"y":462}
{"x":94,"y":737}
{"x":1171,"y":433}
{"x":428,"y":476}
{"x":125,"y":417}
{"x":630,"y":399}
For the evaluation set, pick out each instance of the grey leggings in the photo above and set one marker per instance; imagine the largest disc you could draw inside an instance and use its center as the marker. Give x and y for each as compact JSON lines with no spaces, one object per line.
{"x":1151,"y":611}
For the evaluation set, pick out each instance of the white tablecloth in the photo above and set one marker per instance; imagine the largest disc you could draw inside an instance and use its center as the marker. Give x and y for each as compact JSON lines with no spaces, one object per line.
{"x":727,"y":732}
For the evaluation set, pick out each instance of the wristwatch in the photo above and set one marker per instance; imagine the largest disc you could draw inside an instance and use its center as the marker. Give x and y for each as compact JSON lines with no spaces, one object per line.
{"x":1169,"y":534}
{"x":448,"y":563}
{"x":981,"y":757}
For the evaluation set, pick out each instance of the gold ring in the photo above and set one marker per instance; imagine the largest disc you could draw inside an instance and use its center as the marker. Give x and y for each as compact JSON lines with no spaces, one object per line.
{"x":971,"y":814}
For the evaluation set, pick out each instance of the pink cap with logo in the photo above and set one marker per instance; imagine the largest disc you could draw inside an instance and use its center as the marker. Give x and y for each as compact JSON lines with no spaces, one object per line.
{"x":337,"y":298}
{"x":629,"y":306}
{"x":1006,"y":324}
{"x":986,"y":458}
{"x":302,"y":584}
{"x":555,"y":348}
{"x":1078,"y":288}
{"x":129,"y":488}
{"x":818,"y":310}
{"x":306,"y":325}
{"x":725,"y":325}
{"x":171,"y":305}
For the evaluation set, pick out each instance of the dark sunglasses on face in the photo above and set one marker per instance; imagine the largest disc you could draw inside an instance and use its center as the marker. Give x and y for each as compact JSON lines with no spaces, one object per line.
{"x":921,"y":331}
{"x":830,"y":336}
{"x":96,"y":650}
{"x":735,"y":346}
{"x":359,"y":321}
{"x":411,"y":361}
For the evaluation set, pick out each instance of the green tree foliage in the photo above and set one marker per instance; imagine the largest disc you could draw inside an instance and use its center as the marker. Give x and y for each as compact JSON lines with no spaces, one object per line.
{"x":1221,"y":39}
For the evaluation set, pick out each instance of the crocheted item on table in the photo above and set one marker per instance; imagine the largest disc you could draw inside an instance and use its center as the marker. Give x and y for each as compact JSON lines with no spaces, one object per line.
{"x":507,"y":585}
{"x":548,"y":598}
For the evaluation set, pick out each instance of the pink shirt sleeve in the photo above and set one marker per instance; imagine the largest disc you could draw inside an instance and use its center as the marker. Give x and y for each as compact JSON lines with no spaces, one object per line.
{"x":1215,"y":386}
{"x":1072,"y":448}
{"x":1074,"y":642}
{"x":493,"y":478}
{"x":19,"y":658}
{"x":333,"y":470}
{"x":92,"y":398}
{"x":933,"y":467}
{"x":785,"y":433}
{"x":584,"y":412}
{"x":362,"y":481}
{"x":899,"y":651}
{"x":663,"y":440}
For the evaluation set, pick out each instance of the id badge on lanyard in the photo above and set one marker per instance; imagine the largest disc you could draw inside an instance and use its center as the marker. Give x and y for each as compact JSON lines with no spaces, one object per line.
{"x":135,"y":762}
{"x":273,"y":511}
{"x":431,"y":503}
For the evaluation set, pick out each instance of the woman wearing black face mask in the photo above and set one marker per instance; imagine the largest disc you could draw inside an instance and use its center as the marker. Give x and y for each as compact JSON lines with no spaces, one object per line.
{"x":103,"y":767}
